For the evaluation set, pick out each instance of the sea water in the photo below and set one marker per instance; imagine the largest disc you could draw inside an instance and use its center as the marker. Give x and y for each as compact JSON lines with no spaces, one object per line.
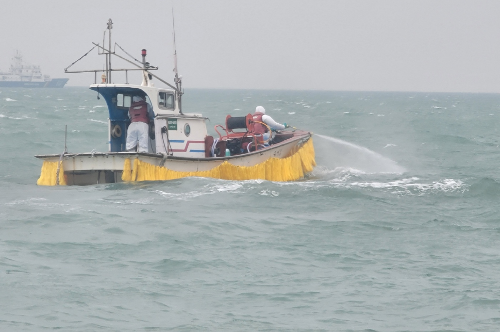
{"x":397,"y":228}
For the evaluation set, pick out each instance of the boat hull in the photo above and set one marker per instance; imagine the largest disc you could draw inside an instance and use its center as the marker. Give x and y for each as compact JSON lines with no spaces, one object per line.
{"x":53,"y":83}
{"x":98,"y":168}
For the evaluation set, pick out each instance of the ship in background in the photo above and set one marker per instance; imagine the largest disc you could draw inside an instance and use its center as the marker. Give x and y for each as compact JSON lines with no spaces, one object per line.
{"x":28,"y":76}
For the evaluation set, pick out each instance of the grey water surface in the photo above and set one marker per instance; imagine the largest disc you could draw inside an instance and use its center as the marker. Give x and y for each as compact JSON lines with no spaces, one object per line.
{"x":397,"y":229}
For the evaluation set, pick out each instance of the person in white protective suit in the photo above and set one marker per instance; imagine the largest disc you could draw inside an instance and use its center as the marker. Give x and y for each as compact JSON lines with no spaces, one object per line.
{"x":260,"y":117}
{"x":141,"y":114}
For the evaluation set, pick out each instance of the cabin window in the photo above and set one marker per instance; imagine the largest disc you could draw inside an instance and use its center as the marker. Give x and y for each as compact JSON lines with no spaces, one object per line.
{"x":127,"y":101}
{"x":123,"y":100}
{"x":166,"y":100}
{"x":119,"y":100}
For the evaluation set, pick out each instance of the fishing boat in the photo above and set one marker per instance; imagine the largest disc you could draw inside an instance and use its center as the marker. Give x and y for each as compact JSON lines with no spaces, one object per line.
{"x":22,"y":75}
{"x":179,"y":143}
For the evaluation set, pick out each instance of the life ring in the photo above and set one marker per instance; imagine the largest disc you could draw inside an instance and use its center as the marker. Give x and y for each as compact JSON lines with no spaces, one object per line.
{"x":116,"y":132}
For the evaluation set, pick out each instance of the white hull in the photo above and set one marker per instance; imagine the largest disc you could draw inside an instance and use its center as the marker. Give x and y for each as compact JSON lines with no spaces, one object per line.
{"x":98,"y":168}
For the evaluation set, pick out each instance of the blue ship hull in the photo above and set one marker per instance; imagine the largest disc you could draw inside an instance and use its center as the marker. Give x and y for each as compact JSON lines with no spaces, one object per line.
{"x":53,"y":83}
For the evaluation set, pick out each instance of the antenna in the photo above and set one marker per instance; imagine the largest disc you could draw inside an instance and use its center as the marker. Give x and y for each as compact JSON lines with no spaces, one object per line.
{"x":177,"y":79}
{"x":65,"y":138}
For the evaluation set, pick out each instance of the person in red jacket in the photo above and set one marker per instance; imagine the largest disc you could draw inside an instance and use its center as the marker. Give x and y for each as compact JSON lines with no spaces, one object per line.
{"x":260,"y":117}
{"x":140,"y":114}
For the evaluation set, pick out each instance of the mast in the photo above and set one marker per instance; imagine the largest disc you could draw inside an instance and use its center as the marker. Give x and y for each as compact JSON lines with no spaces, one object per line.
{"x":108,"y":65}
{"x":145,"y":66}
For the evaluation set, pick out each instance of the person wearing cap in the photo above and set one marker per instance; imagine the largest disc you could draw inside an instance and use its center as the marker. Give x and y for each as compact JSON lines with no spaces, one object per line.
{"x":140,"y":114}
{"x":260,"y":117}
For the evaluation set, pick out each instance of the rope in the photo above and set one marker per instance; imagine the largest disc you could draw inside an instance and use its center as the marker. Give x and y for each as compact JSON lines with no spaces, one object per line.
{"x":65,"y":69}
{"x":256,"y":146}
{"x":169,"y":145}
{"x":169,"y":150}
{"x":213,"y":147}
{"x":128,"y":54}
{"x":163,"y":140}
{"x":59,"y":167}
{"x":269,"y":129}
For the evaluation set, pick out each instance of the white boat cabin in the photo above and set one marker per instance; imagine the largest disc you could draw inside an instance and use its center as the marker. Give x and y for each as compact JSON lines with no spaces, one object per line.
{"x":175,"y":133}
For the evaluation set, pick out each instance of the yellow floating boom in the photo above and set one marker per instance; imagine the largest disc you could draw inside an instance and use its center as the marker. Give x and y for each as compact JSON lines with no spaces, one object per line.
{"x":290,"y":168}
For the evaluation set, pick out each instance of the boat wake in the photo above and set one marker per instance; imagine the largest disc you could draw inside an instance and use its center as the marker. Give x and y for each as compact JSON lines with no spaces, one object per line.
{"x":344,"y":179}
{"x":334,"y":153}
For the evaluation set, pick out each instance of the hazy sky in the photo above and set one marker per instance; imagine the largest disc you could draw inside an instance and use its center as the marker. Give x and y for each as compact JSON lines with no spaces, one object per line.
{"x":388,"y":45}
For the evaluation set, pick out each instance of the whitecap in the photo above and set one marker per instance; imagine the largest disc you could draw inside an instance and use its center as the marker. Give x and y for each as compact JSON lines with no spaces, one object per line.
{"x":42,"y":202}
{"x":406,"y":186}
{"x":91,"y":111}
{"x":380,"y":115}
{"x":347,"y":112}
{"x":97,"y":121}
{"x":9,"y":99}
{"x":26,"y":201}
{"x":389,"y":145}
{"x":409,"y":186}
{"x":271,"y":193}
{"x":230,"y":186}
{"x":185,"y":195}
{"x":237,"y":109}
{"x":341,"y":174}
{"x":291,"y":112}
{"x":98,"y":106}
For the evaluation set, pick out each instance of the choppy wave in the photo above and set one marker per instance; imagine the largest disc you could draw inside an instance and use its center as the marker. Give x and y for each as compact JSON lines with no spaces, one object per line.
{"x":358,"y":240}
{"x":349,"y":178}
{"x":215,"y":187}
{"x":487,"y":188}
{"x":412,"y":186}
